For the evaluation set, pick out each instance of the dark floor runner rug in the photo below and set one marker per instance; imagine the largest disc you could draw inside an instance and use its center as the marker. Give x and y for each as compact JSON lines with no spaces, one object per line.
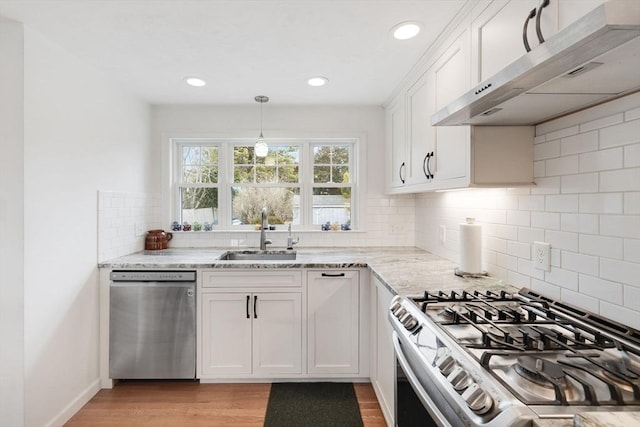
{"x":312,"y":405}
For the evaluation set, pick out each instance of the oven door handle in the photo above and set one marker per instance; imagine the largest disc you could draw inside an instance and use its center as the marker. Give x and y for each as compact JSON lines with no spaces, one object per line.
{"x":417,"y":387}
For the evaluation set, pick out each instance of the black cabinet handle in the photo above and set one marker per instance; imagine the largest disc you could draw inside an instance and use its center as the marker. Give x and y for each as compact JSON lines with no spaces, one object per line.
{"x":332,"y":274}
{"x":424,"y":165}
{"x":400,"y":172}
{"x":544,"y":4}
{"x":525,"y":40}
{"x":248,"y":299}
{"x":430,"y":156}
{"x":255,"y":306}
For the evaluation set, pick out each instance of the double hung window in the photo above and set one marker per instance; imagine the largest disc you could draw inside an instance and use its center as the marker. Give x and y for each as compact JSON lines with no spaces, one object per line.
{"x":306,"y":183}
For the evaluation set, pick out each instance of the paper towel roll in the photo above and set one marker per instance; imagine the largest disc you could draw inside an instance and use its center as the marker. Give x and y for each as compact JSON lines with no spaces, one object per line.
{"x":471,"y":247}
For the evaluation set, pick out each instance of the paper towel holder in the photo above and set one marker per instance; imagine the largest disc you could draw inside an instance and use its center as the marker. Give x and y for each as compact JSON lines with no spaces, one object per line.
{"x":458,"y":272}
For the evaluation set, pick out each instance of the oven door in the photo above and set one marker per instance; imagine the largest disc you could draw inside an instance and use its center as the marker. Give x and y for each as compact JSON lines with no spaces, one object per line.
{"x":413,"y":406}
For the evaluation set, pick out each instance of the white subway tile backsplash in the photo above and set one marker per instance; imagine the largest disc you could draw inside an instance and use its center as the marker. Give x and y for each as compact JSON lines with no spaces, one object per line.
{"x":581,"y":300}
{"x":580,"y":143}
{"x":601,"y":203}
{"x":562,"y":240}
{"x":580,"y":263}
{"x":579,"y":223}
{"x":611,"y":158}
{"x":586,"y":204}
{"x":632,"y":203}
{"x":632,"y":114}
{"x":531,"y":203}
{"x":620,"y":180}
{"x":563,"y":133}
{"x":550,"y":185}
{"x":620,"y":314}
{"x":604,"y":290}
{"x":631,"y":297}
{"x":546,"y":220}
{"x":582,"y":183}
{"x":632,"y":250}
{"x":622,"y":134}
{"x":546,"y":289}
{"x":601,"y":123}
{"x":611,"y":247}
{"x":632,"y":156}
{"x":620,"y":226}
{"x":563,"y":165}
{"x":620,"y":271}
{"x":562,"y":203}
{"x":546,"y":150}
{"x":564,"y":278}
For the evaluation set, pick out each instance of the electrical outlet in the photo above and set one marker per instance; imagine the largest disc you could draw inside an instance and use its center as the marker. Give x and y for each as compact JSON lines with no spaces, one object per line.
{"x":542,"y":256}
{"x":443,"y":234}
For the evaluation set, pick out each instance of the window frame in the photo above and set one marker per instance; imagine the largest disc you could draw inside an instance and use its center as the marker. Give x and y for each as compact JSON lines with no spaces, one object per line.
{"x":225,"y":182}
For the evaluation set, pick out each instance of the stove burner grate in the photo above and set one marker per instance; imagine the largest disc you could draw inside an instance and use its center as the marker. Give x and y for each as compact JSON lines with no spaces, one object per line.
{"x":539,"y":371}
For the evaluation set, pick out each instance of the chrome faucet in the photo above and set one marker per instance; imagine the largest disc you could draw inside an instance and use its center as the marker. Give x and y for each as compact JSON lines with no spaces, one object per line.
{"x":263,"y":231}
{"x":290,"y":241}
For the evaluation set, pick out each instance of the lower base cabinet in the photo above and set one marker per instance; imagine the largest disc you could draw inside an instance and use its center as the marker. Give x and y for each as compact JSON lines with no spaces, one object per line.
{"x":251,"y":334}
{"x":333,"y":306}
{"x":383,"y":363}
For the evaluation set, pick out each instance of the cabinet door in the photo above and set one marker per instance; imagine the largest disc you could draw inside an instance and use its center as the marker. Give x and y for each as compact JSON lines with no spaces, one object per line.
{"x":277,"y":333}
{"x":397,"y":141}
{"x":497,"y":34}
{"x":452,"y":79}
{"x":226,"y":334}
{"x":420,"y":101}
{"x":333,"y":301}
{"x":383,"y":378}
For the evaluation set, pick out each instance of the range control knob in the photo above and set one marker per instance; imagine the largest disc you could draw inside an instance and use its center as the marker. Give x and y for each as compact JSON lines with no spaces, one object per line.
{"x":395,"y":307}
{"x":477,"y":399}
{"x":459,"y":378}
{"x":410,"y":323}
{"x":400,"y":312}
{"x":445,"y":363}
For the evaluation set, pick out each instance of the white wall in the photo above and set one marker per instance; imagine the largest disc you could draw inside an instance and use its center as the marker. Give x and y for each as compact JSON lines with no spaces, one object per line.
{"x":11,"y":225}
{"x":586,"y":205}
{"x":82,"y":133}
{"x":385,"y":220}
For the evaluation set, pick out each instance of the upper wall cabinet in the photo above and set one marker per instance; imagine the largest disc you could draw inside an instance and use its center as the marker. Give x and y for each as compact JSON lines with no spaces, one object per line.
{"x":497,"y":33}
{"x":396,"y":124}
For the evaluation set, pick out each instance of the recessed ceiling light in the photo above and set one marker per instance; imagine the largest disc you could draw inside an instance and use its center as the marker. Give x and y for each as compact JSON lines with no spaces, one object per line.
{"x":317,"y":81}
{"x":406,"y":30}
{"x":194,"y":81}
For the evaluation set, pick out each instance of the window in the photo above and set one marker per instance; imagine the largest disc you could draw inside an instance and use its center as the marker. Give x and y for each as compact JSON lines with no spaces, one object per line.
{"x":307,"y":183}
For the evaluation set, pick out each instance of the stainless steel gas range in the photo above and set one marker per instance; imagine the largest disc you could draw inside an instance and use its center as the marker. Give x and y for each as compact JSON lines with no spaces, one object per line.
{"x":505,"y":359}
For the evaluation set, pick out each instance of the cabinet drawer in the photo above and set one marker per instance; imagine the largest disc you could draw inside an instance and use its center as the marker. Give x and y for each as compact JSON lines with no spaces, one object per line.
{"x":280,"y":278}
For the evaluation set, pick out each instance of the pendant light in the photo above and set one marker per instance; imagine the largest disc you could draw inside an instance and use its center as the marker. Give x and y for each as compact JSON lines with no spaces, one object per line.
{"x":261,"y":148}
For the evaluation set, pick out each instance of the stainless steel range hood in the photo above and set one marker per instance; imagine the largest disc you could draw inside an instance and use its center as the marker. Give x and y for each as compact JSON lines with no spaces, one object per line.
{"x":595,"y":59}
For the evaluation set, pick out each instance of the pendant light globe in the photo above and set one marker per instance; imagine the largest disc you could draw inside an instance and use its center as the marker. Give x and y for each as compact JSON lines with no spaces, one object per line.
{"x":261,"y":148}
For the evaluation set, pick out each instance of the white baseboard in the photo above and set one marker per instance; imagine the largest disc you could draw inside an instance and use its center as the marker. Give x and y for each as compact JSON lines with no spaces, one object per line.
{"x":75,"y":405}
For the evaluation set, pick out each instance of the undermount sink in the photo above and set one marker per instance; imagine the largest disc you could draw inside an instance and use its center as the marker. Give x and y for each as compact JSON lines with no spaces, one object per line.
{"x":258,"y":256}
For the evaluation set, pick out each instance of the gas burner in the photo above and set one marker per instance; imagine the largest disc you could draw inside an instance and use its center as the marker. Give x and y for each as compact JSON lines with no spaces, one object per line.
{"x":506,"y":333}
{"x":539,"y":371}
{"x":452,"y":312}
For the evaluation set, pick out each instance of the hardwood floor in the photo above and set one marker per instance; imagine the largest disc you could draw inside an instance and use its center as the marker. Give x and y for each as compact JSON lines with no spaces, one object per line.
{"x":155,"y":403}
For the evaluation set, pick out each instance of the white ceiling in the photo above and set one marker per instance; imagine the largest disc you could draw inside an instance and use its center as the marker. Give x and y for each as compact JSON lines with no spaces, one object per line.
{"x":242,"y":48}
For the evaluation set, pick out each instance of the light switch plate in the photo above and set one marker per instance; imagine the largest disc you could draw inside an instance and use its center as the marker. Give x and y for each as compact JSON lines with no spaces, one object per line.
{"x":443,"y":234}
{"x":542,"y":256}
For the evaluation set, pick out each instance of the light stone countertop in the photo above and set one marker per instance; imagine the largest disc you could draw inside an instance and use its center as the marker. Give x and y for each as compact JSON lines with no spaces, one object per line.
{"x":404,"y":270}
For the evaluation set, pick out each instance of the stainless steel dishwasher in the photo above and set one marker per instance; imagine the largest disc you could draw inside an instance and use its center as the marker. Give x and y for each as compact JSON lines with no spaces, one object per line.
{"x":152,"y":324}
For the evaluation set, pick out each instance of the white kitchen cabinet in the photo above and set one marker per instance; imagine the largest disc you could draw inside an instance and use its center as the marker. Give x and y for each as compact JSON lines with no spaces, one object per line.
{"x":497,"y":31}
{"x":333,"y":310}
{"x":459,"y":156}
{"x":383,"y":362}
{"x":397,"y":155}
{"x":420,"y":108}
{"x":248,"y":329}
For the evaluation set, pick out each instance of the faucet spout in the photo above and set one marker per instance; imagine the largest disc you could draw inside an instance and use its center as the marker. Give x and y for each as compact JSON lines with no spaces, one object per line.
{"x":263,"y":231}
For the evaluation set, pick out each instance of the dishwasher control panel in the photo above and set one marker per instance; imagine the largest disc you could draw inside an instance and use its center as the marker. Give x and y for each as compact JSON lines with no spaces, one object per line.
{"x":152,"y":276}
